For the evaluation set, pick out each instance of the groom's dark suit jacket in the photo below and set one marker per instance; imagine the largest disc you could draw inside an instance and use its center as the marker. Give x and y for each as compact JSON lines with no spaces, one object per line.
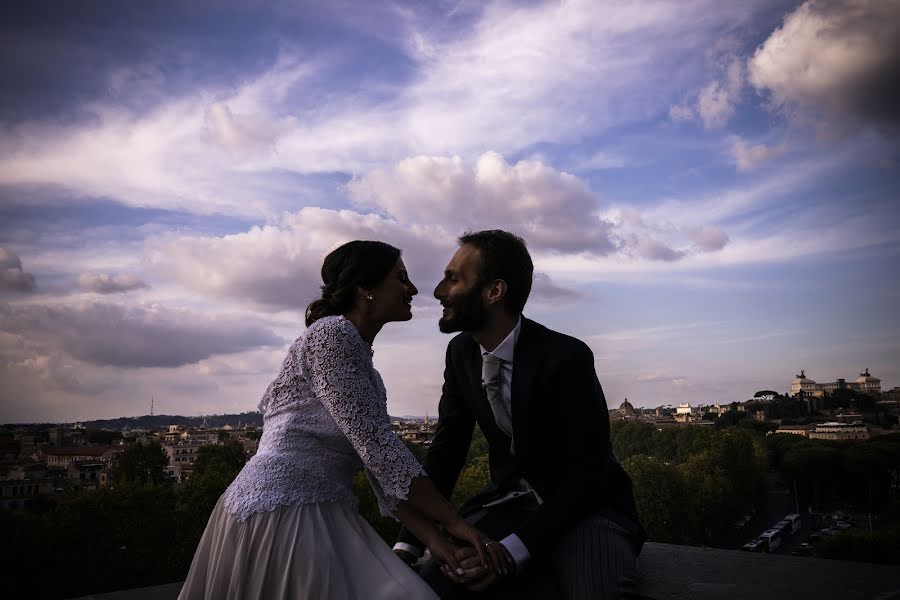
{"x":561,"y":430}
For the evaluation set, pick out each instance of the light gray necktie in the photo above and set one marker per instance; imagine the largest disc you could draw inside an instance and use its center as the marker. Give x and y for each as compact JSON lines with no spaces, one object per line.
{"x":490,"y":381}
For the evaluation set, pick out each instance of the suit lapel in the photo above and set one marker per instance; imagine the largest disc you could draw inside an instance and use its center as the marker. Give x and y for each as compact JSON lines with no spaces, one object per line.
{"x":526,"y":363}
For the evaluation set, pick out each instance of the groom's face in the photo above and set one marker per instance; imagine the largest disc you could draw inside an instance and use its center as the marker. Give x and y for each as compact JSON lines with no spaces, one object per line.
{"x":460,"y":292}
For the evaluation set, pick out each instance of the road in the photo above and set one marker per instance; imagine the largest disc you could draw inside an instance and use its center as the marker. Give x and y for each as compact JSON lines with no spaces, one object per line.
{"x":779,"y":501}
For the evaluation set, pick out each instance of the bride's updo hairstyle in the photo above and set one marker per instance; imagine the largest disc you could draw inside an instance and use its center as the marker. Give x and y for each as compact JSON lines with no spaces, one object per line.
{"x":356,"y":264}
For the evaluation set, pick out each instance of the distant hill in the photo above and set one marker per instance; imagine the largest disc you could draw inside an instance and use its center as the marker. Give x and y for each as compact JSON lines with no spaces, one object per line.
{"x":161,"y":421}
{"x":155,"y":422}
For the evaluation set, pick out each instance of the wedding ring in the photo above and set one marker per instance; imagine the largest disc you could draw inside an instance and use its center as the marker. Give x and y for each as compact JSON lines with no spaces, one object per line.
{"x":486,"y":544}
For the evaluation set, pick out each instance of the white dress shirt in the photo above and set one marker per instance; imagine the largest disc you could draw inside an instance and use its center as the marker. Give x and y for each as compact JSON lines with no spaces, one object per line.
{"x":504,"y":351}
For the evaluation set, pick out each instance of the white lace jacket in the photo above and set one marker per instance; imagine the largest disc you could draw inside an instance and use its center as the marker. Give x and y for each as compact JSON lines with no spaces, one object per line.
{"x":325,"y":416}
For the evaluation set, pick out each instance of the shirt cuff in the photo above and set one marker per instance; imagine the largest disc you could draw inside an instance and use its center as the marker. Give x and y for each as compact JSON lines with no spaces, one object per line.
{"x":417,"y":552}
{"x":516,"y":549}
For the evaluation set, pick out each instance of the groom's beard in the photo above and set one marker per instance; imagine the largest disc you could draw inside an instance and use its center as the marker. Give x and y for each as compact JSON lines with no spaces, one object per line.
{"x":468,"y":313}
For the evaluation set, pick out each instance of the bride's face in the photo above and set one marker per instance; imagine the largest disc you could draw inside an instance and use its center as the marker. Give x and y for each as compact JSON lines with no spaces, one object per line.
{"x":392,"y":298}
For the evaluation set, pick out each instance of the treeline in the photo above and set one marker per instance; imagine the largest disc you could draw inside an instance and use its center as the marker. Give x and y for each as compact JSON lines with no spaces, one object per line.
{"x":690,"y":483}
{"x":829,"y":474}
{"x":859,"y":477}
{"x":140,"y":531}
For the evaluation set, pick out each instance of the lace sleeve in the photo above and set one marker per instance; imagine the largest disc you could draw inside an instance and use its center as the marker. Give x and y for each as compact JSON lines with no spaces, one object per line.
{"x":339,"y":368}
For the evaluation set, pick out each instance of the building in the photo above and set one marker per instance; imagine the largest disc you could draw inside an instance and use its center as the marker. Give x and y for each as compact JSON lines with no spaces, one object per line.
{"x":87,"y":474}
{"x":794,"y":429}
{"x":183,"y":454}
{"x":865,"y":383}
{"x":840,"y":431}
{"x":61,"y":457}
{"x":15,"y":493}
{"x":892,"y":394}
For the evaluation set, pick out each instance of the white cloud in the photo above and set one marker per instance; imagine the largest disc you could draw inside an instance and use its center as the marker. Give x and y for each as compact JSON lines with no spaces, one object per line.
{"x":661,"y":378}
{"x":749,"y":156}
{"x":545,"y":290}
{"x":279,"y":265}
{"x":681,"y":112}
{"x":128,"y":336}
{"x":600,"y":161}
{"x":552,"y":210}
{"x":551,"y":72}
{"x":709,"y":239}
{"x":656,"y":250}
{"x":104,"y":283}
{"x":837,"y":56}
{"x":717,"y":100}
{"x":12,"y":276}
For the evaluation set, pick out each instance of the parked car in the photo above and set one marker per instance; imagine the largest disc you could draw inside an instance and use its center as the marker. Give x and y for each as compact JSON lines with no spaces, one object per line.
{"x":804,"y":549}
{"x":754,"y":545}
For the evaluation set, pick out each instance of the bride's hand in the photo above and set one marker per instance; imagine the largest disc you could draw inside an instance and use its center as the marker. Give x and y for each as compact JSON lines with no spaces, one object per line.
{"x":445,"y":553}
{"x":492,"y":555}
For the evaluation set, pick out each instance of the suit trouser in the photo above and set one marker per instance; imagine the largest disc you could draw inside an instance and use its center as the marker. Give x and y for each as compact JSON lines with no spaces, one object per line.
{"x":595,"y":559}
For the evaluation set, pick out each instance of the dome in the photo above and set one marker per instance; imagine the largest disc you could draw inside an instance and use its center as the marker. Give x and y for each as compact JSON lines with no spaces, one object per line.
{"x":626,"y":407}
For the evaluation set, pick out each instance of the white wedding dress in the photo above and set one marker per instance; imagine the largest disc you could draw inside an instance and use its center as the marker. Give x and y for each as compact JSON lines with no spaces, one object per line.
{"x":287,"y":527}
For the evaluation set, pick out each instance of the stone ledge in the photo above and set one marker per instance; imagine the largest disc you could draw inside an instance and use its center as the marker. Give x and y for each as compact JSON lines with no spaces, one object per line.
{"x":669,"y":572}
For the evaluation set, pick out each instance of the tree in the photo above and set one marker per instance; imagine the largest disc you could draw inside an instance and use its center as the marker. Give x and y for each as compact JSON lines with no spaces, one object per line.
{"x":219,"y":464}
{"x":473,"y":478}
{"x":630,"y":438}
{"x":662,"y":500}
{"x":386,"y":527}
{"x":142,"y":464}
{"x":102,"y":436}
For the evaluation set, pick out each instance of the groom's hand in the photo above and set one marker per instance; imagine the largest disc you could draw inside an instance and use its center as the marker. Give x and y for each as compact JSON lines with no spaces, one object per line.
{"x":477,"y":578}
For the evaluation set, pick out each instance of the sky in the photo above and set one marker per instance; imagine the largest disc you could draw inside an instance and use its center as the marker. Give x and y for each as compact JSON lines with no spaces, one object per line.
{"x":709,"y":189}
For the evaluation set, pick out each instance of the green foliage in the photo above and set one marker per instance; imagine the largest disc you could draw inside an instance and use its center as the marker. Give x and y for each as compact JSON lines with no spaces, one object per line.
{"x":386,"y":527}
{"x":214,"y":469}
{"x":630,"y":438}
{"x":730,"y":418}
{"x":690,"y":481}
{"x":472,"y":480}
{"x":126,"y":529}
{"x":479,"y":445}
{"x":662,"y":499}
{"x":882,"y":547}
{"x":142,"y":464}
{"x":103,"y":437}
{"x":760,"y":427}
{"x":835,"y":473}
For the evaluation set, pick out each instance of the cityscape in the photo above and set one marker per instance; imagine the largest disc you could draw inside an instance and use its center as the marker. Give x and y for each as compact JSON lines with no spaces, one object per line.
{"x":765,"y":497}
{"x":50,"y":460}
{"x":707,"y":191}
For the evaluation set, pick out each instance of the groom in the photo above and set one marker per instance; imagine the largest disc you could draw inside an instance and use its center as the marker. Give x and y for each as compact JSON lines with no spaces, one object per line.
{"x":558,"y":500}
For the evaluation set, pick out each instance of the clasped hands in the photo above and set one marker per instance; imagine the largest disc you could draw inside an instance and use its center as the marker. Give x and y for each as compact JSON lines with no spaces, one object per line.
{"x":478,"y":565}
{"x":475,"y":575}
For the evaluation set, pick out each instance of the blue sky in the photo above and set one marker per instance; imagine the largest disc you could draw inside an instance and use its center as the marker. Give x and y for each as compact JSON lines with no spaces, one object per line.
{"x":709,"y":189}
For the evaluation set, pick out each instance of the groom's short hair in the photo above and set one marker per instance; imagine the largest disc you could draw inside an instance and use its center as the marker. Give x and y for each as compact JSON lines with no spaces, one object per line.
{"x":503,"y":256}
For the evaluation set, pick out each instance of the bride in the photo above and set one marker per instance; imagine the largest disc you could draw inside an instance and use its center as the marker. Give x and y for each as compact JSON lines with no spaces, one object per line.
{"x":287,"y":527}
